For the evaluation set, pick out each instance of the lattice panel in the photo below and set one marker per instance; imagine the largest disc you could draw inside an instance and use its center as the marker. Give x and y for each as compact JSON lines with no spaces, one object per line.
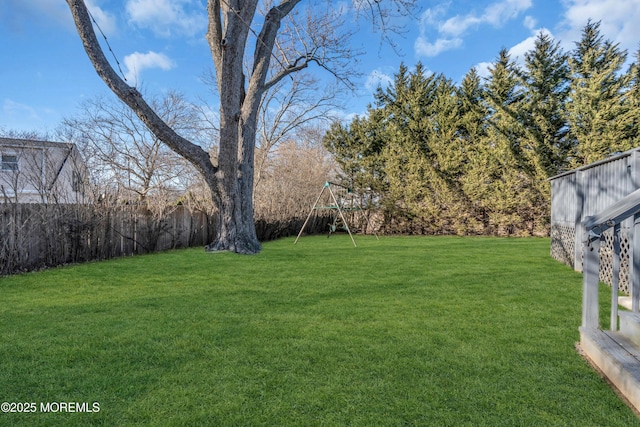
{"x":606,"y":259}
{"x":625,"y":260}
{"x":563,"y":243}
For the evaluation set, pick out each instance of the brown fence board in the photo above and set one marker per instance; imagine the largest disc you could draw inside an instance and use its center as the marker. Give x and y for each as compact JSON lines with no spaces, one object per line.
{"x":34,"y":236}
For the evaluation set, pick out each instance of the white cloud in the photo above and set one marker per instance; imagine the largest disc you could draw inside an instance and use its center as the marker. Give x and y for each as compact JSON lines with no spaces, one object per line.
{"x":458,"y":25}
{"x":496,"y":14}
{"x":517,"y":52}
{"x":105,"y":20}
{"x":450,"y":31}
{"x":423,"y":48}
{"x":483,"y":69}
{"x":530,"y":22}
{"x":137,"y":62}
{"x":618,"y":21}
{"x":166,"y":17}
{"x":377,"y":78}
{"x":433,"y":16}
{"x":15,"y":109}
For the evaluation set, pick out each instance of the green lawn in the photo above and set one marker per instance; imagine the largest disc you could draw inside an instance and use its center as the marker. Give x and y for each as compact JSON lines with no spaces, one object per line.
{"x":440,"y":331}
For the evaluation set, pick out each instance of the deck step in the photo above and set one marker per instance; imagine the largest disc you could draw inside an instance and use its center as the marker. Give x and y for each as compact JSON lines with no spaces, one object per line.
{"x":617,"y":358}
{"x":625,"y":301}
{"x":630,"y":326}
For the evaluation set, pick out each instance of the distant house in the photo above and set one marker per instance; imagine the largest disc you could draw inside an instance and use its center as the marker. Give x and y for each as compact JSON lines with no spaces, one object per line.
{"x":41,"y":172}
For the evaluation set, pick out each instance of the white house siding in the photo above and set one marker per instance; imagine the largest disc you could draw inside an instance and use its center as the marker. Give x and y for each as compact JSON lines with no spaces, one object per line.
{"x":45,"y":172}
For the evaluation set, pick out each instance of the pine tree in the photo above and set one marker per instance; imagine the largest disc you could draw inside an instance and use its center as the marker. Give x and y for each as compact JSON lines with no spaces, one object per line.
{"x":472,"y":132}
{"x":357,"y":148}
{"x":407,"y":107}
{"x":597,"y":112}
{"x":425,"y":156}
{"x":500,"y":174}
{"x":545,"y":142}
{"x":546,"y":84}
{"x":473,"y":113}
{"x":633,"y":102}
{"x":476,"y":158}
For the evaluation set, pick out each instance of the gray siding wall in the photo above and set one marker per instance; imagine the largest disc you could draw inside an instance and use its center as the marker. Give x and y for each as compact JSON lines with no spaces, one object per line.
{"x":587,"y":191}
{"x":591,"y":189}
{"x":606,"y":183}
{"x":564,"y":200}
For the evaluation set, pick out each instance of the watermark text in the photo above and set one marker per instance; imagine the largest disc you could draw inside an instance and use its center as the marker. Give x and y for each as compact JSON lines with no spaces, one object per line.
{"x":49,"y":407}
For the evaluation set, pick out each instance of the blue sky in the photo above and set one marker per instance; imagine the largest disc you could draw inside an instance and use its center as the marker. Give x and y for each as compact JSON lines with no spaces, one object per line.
{"x":160,"y":46}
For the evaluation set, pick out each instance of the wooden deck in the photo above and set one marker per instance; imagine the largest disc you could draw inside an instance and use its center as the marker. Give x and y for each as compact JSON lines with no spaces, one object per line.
{"x":615,"y":352}
{"x":617,"y":356}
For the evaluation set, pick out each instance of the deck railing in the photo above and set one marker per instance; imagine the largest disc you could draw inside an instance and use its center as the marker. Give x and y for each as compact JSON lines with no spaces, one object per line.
{"x":595,"y":226}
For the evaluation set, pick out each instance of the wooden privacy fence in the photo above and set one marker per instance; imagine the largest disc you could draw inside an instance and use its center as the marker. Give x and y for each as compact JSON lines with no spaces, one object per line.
{"x":34,"y":236}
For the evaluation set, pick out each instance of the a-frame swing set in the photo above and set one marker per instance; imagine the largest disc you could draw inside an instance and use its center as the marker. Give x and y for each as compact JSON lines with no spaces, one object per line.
{"x":337,"y":204}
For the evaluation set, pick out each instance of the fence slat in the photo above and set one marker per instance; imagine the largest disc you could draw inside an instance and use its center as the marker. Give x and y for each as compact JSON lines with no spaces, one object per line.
{"x":33,"y":236}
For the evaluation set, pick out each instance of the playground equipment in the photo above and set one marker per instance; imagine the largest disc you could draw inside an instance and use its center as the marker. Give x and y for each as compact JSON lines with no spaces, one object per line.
{"x":339,"y":199}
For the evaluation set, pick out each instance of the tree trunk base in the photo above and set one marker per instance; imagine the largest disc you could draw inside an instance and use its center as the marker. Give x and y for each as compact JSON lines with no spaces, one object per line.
{"x":242,"y":247}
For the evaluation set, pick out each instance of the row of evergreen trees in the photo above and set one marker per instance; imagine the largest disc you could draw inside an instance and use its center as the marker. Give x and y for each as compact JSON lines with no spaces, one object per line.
{"x":474,"y":158}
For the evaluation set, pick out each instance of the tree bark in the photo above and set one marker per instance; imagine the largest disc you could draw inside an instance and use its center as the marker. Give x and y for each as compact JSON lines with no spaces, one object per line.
{"x":239,"y":110}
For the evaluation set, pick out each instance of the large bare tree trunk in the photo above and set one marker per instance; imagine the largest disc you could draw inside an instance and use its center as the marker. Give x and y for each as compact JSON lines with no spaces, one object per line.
{"x":238,"y":114}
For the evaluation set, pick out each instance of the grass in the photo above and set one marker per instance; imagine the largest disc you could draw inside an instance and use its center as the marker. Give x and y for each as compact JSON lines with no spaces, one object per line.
{"x":439,"y":331}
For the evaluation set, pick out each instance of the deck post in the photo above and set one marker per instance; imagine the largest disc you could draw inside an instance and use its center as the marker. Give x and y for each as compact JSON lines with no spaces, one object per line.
{"x":615,"y":277}
{"x":634,"y":274}
{"x":580,"y":231}
{"x":591,"y":272}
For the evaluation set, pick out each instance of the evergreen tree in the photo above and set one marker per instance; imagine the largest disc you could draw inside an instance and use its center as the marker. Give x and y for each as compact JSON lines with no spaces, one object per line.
{"x":633,"y":100}
{"x":545,"y":143}
{"x":546,"y":83}
{"x":451,"y":147}
{"x":476,"y":158}
{"x":500,"y":174}
{"x":597,"y":112}
{"x":472,"y":132}
{"x":425,"y":157}
{"x":473,"y":113}
{"x":357,"y":149}
{"x":407,"y":105}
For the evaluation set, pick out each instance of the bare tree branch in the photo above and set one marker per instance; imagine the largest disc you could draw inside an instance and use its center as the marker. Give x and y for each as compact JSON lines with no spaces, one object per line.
{"x":130,"y":96}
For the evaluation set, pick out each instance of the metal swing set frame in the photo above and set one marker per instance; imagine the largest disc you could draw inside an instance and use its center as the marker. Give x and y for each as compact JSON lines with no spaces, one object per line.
{"x":337,"y":206}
